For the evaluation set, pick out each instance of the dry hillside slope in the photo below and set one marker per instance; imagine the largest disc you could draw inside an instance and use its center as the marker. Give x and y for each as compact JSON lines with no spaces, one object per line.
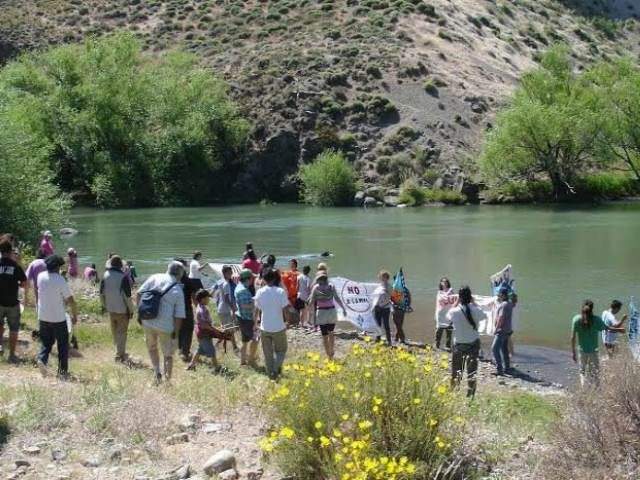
{"x":404,"y":87}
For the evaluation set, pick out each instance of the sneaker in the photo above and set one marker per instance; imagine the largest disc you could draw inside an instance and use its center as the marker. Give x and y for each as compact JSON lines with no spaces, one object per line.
{"x":44,"y":371}
{"x":191,"y":368}
{"x":13,"y":358}
{"x":158,"y":380}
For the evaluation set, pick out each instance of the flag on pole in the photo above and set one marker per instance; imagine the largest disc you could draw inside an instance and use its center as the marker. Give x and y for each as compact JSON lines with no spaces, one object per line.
{"x":502,"y":279}
{"x":400,"y":295}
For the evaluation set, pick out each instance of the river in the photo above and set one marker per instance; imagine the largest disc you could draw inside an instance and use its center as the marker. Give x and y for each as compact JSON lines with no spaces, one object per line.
{"x":560,"y":255}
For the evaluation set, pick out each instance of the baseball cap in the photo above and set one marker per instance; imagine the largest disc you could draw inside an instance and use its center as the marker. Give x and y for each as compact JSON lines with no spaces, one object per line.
{"x":246,"y":274}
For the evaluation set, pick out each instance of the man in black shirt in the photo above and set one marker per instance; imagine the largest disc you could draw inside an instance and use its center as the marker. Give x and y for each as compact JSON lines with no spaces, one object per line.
{"x":185,"y":336}
{"x":12,"y":277}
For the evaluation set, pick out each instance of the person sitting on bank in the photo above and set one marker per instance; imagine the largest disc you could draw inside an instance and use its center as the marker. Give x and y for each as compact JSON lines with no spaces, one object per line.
{"x":609,"y":338}
{"x":161,"y":332}
{"x":204,"y":331}
{"x":53,"y":294}
{"x":115,"y":296}
{"x":585,"y":328}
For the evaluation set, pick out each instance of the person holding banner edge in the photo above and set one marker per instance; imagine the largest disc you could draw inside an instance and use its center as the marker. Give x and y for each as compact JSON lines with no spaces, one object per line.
{"x":500,"y":347}
{"x":442,"y":324}
{"x":382,"y":305}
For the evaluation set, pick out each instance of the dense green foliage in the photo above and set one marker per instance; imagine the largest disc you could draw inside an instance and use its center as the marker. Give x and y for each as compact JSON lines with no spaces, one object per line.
{"x":124,"y":128}
{"x":329,"y":181}
{"x":412,"y":193}
{"x":561,"y":127}
{"x":29,"y":202}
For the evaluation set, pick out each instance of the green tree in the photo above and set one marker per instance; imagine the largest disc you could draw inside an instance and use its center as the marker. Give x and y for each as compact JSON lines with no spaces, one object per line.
{"x":29,"y":202}
{"x":618,"y":89}
{"x":549,"y":128}
{"x":329,"y":181}
{"x":126,"y":128}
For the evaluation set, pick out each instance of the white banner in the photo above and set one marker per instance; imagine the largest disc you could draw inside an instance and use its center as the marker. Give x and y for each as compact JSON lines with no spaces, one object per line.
{"x":357,"y":300}
{"x":445,"y":302}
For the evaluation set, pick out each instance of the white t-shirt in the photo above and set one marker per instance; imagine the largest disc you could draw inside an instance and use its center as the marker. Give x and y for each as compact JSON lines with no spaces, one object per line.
{"x":609,"y":320}
{"x":53,"y":290}
{"x":463,"y":332}
{"x":194,"y":270}
{"x":271,"y":301}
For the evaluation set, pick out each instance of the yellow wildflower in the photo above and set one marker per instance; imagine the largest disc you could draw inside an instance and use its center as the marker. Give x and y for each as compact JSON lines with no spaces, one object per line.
{"x":318,"y":425}
{"x":324,"y":441}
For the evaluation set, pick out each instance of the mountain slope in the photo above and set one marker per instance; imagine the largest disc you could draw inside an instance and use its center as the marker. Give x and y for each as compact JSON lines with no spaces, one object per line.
{"x":404,"y":87}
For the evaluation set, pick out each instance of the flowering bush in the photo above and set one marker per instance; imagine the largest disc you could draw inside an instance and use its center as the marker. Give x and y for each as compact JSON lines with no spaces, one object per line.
{"x":379,"y":413}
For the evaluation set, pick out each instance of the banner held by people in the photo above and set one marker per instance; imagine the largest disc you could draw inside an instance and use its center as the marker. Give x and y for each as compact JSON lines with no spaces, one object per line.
{"x":356,"y":297}
{"x":445,"y":302}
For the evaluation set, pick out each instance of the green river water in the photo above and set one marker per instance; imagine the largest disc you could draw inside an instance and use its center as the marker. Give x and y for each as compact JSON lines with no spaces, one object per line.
{"x":560,"y":255}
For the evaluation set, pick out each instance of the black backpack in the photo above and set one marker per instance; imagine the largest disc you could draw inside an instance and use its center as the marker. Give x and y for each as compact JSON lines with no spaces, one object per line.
{"x":149,"y":304}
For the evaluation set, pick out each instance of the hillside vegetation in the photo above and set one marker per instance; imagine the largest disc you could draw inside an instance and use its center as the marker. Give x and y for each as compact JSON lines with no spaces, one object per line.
{"x":404,"y":88}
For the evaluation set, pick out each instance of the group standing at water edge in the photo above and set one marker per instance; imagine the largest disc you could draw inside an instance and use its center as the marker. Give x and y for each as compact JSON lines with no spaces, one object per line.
{"x":260,"y":302}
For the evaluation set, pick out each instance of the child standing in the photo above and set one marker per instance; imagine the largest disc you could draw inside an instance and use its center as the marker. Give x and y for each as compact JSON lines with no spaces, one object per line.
{"x":304,"y":292}
{"x":204,"y":331}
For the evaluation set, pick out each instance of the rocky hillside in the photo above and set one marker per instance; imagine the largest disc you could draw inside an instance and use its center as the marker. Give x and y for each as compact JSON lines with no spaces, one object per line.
{"x":404,"y":87}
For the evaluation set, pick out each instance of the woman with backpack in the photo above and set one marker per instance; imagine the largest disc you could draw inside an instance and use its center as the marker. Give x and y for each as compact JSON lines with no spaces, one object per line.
{"x":465,"y":317}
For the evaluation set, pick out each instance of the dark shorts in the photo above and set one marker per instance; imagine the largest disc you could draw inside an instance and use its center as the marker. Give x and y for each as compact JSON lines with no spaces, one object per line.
{"x":299,"y":304}
{"x":206,"y":348}
{"x":327,"y":329}
{"x":12,"y":314}
{"x":246,"y":329}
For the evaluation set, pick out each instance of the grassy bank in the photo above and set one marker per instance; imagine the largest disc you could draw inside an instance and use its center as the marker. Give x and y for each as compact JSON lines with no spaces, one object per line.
{"x":111,"y":416}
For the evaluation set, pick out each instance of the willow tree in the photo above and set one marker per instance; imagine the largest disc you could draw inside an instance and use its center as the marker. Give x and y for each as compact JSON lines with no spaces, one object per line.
{"x":549,"y":128}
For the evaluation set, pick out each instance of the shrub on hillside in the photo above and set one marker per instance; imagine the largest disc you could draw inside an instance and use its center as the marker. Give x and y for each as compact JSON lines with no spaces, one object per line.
{"x":412,"y":193}
{"x":108,"y":110}
{"x":379,"y":413}
{"x":329,"y":181}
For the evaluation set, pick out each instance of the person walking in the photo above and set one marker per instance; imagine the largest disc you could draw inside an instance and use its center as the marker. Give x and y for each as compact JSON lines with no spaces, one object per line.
{"x":442,"y":324}
{"x":161,"y":332}
{"x":322,"y":302}
{"x":304,"y":293}
{"x":503,"y":331}
{"x":609,"y":338}
{"x":115,"y":297}
{"x":53,"y":294}
{"x":190,"y":286}
{"x":270,"y":305}
{"x":72,"y":260}
{"x":226,"y":306}
{"x":246,"y":321}
{"x":204,"y":331}
{"x":46,"y":244}
{"x":195,"y":270}
{"x":585,"y":328}
{"x":35,"y":268}
{"x":464,"y":318}
{"x":382,"y":305}
{"x":12,"y":277}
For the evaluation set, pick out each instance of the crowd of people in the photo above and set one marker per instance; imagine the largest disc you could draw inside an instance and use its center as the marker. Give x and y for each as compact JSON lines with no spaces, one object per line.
{"x":258,"y":304}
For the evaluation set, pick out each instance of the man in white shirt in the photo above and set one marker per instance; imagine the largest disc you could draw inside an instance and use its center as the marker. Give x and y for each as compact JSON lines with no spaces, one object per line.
{"x":609,"y":338}
{"x":53,"y":294}
{"x":270,"y":305}
{"x":195,"y":269}
{"x":162,"y":330}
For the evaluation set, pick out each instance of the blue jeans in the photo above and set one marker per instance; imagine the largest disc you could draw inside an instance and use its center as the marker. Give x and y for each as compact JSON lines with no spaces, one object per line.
{"x":500,"y":350}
